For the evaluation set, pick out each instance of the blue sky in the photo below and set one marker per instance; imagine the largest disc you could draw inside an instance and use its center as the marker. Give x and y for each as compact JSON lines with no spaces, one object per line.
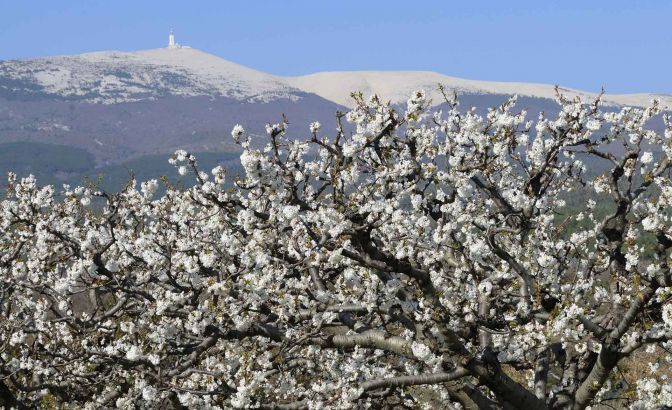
{"x":625,"y":46}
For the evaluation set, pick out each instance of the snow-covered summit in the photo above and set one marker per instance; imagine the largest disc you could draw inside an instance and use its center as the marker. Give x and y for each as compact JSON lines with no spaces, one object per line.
{"x":116,"y":76}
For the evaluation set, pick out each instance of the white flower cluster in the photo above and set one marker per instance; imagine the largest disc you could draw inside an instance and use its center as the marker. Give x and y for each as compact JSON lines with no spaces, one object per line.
{"x":335,"y":273}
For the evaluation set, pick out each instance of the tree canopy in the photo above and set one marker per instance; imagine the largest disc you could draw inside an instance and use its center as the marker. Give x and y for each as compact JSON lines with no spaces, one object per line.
{"x":411,"y":257}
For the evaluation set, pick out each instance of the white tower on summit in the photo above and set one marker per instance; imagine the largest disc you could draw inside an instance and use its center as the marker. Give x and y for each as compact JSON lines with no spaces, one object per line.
{"x":171,"y":40}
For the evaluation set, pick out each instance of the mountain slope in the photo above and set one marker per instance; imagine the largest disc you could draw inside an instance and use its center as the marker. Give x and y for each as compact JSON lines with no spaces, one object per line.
{"x":121,"y":131}
{"x":124,"y":105}
{"x":396,"y":86}
{"x":117,"y":77}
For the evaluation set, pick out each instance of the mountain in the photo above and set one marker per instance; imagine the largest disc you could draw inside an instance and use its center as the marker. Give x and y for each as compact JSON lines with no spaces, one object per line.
{"x":118,"y":107}
{"x":123,"y":105}
{"x":120,"y":77}
{"x":115,"y":77}
{"x":397,"y":86}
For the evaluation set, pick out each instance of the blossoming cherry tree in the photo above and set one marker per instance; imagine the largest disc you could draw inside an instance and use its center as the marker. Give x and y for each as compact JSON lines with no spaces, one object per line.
{"x":420,"y":258}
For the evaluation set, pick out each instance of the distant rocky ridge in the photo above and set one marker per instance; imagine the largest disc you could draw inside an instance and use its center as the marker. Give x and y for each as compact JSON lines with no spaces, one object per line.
{"x":114,"y":77}
{"x":124,"y":105}
{"x":120,"y":77}
{"x":398,"y":85}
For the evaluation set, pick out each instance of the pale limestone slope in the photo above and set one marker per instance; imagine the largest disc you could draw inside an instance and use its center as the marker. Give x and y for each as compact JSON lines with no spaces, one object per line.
{"x":114,"y":76}
{"x":396,"y":86}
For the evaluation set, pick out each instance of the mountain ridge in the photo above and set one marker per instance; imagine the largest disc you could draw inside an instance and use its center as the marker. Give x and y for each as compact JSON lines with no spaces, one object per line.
{"x":398,"y":85}
{"x":112,"y":77}
{"x":123,"y":105}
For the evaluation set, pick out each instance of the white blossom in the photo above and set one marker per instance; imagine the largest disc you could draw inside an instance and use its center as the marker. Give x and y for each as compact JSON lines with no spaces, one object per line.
{"x":413,"y":244}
